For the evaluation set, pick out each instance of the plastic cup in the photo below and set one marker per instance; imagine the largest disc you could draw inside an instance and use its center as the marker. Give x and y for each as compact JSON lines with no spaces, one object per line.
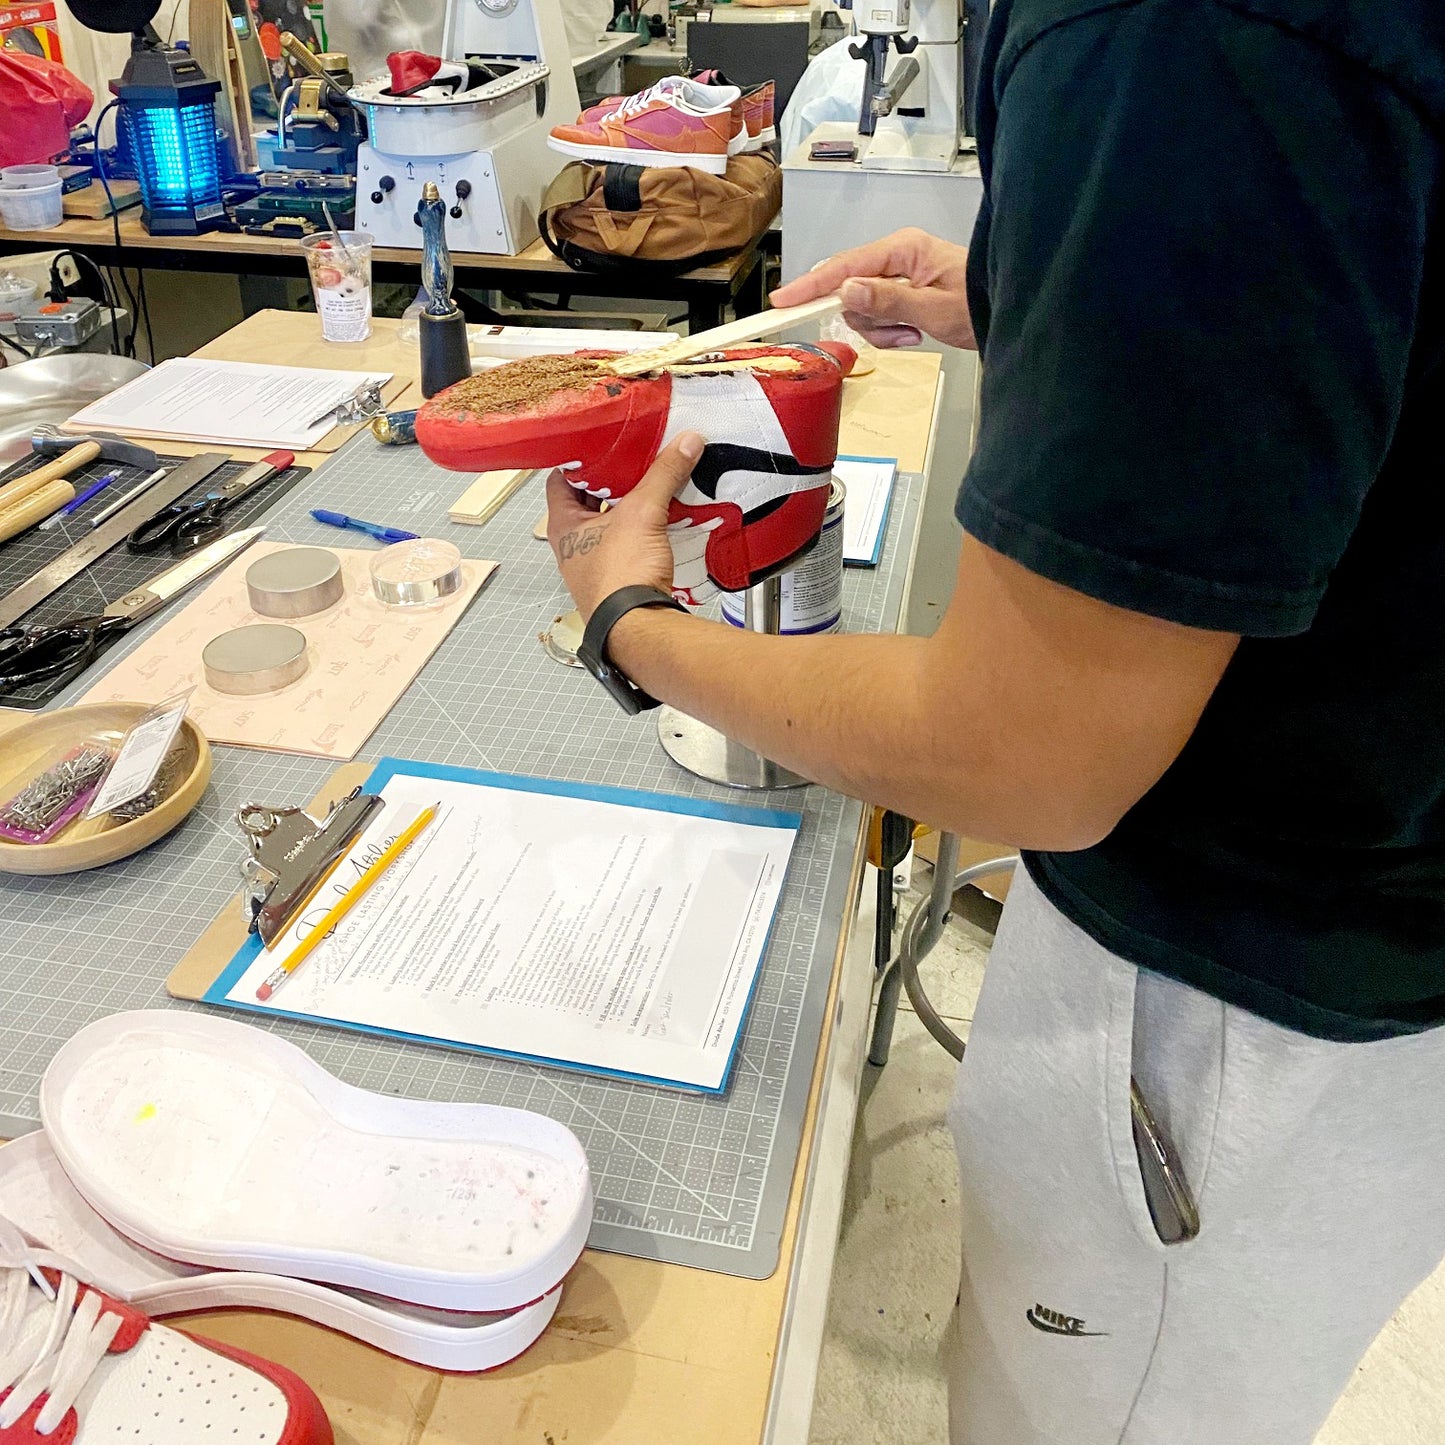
{"x":341,"y":283}
{"x":31,"y":208}
{"x":28,"y":176}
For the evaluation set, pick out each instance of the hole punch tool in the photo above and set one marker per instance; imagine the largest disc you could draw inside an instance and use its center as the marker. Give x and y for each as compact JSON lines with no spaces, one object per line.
{"x":293,"y":854}
{"x":65,"y":649}
{"x":184,"y":526}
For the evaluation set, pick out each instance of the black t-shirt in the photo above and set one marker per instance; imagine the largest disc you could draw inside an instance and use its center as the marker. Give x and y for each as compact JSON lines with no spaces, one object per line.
{"x":1207,"y":281}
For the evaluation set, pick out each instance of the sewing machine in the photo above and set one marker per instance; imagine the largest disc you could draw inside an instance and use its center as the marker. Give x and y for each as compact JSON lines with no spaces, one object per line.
{"x":485,"y":148}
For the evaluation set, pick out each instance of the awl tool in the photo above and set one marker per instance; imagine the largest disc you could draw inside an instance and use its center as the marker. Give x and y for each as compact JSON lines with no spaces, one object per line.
{"x":57,"y":572}
{"x":36,"y":494}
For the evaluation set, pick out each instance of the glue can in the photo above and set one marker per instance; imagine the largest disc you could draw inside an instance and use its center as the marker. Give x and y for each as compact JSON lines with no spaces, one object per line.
{"x":813,"y":589}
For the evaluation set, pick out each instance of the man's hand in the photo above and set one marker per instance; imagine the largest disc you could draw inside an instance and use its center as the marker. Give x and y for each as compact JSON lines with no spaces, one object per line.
{"x":895,"y":291}
{"x":598,"y":552}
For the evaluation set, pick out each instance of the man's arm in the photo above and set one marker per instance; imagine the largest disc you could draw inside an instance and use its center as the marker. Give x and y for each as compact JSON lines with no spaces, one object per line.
{"x":1035,"y":716}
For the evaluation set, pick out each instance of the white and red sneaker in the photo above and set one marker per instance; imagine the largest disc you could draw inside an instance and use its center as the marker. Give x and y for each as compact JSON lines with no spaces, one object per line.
{"x":757,"y":496}
{"x":676,"y":122}
{"x":78,"y":1367}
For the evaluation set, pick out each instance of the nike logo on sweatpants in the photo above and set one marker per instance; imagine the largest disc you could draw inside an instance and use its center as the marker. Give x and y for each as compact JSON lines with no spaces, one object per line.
{"x":1051,"y":1322}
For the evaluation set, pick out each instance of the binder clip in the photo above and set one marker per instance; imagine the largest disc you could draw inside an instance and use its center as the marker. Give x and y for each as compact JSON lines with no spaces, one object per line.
{"x":291,"y":854}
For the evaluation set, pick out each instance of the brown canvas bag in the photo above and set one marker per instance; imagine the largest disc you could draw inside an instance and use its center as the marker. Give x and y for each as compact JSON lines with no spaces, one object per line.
{"x":622,"y":218}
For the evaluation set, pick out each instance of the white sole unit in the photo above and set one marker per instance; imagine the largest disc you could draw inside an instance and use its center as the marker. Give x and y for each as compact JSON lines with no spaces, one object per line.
{"x":220,"y":1144}
{"x":37,"y":1196}
{"x":627,"y":156}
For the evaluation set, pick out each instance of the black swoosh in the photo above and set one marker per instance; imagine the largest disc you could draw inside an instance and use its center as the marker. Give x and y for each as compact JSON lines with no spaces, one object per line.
{"x":1049,"y":1329}
{"x":720,"y":457}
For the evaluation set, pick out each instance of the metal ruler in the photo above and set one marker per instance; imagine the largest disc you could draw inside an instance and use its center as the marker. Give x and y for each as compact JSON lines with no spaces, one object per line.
{"x":59,"y":571}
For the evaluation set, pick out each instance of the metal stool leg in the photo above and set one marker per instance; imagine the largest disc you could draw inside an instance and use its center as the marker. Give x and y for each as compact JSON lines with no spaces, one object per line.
{"x":928,"y":918}
{"x":920,"y":934}
{"x":917,"y":941}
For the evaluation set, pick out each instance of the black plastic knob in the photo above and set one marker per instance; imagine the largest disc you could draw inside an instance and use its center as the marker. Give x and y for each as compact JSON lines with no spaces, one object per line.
{"x":377,"y":198}
{"x":455,"y":213}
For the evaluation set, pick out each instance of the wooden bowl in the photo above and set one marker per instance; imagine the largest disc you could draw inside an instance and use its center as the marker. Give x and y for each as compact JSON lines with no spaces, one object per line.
{"x":29,"y":742}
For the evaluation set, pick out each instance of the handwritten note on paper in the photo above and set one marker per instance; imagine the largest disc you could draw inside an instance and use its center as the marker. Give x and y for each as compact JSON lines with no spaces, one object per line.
{"x":363,"y":655}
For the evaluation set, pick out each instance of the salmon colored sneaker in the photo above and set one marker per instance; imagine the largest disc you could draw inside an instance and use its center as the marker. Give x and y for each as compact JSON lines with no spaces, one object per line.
{"x":693,"y":88}
{"x":758,"y":493}
{"x":683,"y":124}
{"x":759,"y":106}
{"x":78,"y":1367}
{"x":759,"y":125}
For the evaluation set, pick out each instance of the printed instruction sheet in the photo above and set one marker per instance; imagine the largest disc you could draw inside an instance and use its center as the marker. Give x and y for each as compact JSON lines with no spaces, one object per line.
{"x":593,"y":928}
{"x":244,"y":403}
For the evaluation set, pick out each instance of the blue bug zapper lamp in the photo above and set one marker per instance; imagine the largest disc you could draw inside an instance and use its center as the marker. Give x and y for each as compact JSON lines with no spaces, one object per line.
{"x":168,"y":110}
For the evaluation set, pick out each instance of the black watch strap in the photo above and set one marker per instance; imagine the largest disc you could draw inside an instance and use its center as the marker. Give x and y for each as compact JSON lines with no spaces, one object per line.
{"x":592,"y":653}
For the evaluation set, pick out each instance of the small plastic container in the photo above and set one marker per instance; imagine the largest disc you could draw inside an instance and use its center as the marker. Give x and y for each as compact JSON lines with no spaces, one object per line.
{"x":31,"y":208}
{"x":15,"y":291}
{"x":29,"y":177}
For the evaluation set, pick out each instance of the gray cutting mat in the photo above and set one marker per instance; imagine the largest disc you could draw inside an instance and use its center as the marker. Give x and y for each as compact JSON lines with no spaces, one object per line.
{"x":700,"y":1182}
{"x":118,"y":571}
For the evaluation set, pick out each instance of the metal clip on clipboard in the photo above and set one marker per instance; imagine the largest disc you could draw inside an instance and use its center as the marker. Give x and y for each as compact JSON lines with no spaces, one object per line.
{"x":291,"y":854}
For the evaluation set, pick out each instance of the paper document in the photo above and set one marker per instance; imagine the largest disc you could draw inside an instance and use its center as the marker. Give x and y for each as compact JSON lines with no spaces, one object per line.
{"x":869,"y":482}
{"x":244,"y":403}
{"x":593,"y":928}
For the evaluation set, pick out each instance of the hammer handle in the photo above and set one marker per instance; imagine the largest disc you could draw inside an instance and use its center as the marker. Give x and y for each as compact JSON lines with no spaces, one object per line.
{"x":72,"y":461}
{"x":35,"y":508}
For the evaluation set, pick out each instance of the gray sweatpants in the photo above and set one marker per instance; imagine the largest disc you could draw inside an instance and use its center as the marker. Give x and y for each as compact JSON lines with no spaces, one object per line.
{"x":1318,"y":1169}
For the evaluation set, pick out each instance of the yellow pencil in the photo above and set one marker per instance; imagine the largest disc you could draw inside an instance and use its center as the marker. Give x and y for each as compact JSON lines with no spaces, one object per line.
{"x":348,"y":901}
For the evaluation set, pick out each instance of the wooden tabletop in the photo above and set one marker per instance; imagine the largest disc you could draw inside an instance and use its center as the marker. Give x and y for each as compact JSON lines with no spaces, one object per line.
{"x":79,"y":231}
{"x":639,"y":1353}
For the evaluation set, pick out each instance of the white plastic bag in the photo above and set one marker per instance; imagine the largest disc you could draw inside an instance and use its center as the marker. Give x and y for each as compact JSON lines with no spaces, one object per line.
{"x":831,"y":89}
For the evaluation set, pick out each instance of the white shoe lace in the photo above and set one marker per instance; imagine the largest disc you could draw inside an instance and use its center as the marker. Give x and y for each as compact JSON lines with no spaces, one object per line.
{"x":76,"y":1341}
{"x":689,"y":94}
{"x":644,"y":98}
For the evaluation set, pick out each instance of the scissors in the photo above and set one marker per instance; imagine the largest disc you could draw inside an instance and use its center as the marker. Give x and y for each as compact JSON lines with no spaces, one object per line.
{"x":65,"y":649}
{"x":184,"y":526}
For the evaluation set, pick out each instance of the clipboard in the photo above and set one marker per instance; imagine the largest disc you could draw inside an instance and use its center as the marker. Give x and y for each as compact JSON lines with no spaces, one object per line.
{"x":700,"y":1062}
{"x":208,"y":956}
{"x":333,"y":440}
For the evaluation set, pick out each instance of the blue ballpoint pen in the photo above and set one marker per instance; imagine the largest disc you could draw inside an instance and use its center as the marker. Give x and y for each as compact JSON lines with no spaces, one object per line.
{"x":372,"y":529}
{"x":78,"y":501}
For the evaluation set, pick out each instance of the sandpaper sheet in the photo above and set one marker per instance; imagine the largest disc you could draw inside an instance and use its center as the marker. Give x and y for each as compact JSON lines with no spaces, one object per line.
{"x":363,"y":655}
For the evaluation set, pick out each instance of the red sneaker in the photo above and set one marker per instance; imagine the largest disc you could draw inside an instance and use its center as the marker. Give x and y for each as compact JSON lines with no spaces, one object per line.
{"x":758,"y":493}
{"x":80,"y":1368}
{"x":680,"y":123}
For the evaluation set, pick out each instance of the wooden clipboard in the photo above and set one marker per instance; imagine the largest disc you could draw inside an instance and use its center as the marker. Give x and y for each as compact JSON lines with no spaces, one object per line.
{"x":208,"y":956}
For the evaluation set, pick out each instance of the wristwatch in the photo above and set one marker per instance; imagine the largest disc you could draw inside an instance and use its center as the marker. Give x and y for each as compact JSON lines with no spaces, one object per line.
{"x":592,"y":651}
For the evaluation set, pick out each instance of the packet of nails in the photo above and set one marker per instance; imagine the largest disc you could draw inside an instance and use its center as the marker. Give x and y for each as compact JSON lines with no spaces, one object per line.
{"x":115,"y":776}
{"x":58,"y":795}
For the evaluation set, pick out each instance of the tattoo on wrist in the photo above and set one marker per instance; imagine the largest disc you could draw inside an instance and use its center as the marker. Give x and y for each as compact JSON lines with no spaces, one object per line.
{"x":576,"y":544}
